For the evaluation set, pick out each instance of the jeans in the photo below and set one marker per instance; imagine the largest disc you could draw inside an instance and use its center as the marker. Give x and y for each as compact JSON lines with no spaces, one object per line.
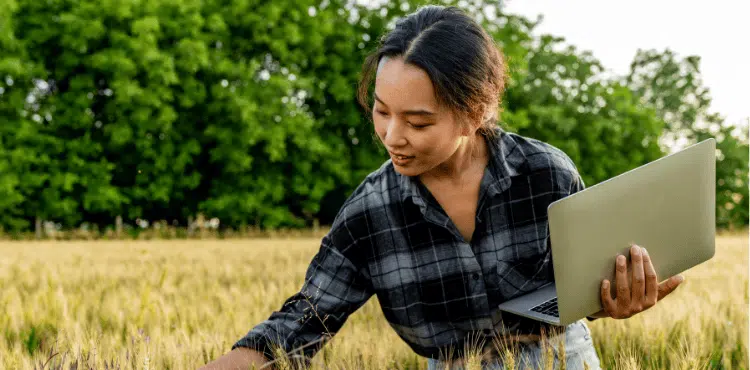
{"x":578,"y":347}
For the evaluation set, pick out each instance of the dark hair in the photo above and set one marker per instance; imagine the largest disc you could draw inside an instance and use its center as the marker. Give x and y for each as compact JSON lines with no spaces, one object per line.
{"x":463,"y":62}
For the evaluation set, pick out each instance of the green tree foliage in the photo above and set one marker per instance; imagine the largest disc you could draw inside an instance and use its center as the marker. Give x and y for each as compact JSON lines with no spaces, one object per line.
{"x":563,"y":100}
{"x":246,"y":110}
{"x":673,"y":87}
{"x":13,"y":67}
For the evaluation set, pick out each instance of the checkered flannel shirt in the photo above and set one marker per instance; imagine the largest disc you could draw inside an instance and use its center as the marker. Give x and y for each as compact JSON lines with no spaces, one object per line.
{"x":392,"y":239}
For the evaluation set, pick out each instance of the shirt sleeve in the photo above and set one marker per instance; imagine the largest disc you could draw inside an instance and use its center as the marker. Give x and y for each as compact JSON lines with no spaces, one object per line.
{"x":334,"y":288}
{"x":577,"y":184}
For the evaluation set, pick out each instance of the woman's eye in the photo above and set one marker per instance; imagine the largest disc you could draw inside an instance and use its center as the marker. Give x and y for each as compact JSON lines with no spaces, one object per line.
{"x":413,"y":125}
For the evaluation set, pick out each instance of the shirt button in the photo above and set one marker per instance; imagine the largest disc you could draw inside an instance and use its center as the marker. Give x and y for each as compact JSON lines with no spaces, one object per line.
{"x":475,"y":276}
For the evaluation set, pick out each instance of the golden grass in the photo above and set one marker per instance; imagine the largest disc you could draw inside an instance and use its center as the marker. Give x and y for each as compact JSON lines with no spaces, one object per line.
{"x":179,"y":304}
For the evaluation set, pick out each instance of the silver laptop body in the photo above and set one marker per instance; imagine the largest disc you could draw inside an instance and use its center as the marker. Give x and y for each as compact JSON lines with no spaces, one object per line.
{"x":667,"y":206}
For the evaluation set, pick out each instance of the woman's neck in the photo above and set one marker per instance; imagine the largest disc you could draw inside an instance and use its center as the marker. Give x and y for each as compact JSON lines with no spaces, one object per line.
{"x":470,"y":156}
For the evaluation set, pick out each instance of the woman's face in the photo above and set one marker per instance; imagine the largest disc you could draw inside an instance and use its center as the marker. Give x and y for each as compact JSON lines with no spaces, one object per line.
{"x":419,"y":134}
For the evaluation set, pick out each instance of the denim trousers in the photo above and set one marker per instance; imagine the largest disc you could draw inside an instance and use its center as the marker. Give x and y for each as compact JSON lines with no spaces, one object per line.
{"x":579,"y":353}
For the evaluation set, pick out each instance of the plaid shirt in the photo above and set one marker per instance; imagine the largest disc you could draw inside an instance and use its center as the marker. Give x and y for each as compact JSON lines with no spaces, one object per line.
{"x":392,"y":239}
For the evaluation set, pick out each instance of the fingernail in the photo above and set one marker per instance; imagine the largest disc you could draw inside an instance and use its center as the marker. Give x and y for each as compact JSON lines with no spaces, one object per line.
{"x":606,"y":284}
{"x":645,"y":252}
{"x":680,"y":278}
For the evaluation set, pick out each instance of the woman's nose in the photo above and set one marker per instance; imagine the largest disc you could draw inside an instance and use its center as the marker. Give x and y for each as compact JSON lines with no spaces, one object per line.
{"x":394,"y":135}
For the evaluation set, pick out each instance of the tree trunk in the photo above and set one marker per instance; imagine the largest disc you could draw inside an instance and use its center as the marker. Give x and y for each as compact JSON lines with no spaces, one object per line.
{"x":38,"y":228}
{"x":118,"y":226}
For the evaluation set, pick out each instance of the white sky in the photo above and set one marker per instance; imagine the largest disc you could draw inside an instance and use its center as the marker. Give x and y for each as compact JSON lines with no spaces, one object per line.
{"x":718,"y":31}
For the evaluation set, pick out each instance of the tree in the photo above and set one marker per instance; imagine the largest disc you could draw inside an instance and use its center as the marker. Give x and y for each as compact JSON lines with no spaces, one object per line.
{"x":673,"y":87}
{"x":12,"y":69}
{"x":563,"y":99}
{"x":247,"y":111}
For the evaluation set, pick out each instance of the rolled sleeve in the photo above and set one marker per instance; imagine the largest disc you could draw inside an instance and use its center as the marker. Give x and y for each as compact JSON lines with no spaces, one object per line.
{"x":577,"y":184}
{"x":334,"y":288}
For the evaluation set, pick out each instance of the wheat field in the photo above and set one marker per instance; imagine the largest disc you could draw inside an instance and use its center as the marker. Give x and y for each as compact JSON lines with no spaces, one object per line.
{"x":177,"y":304}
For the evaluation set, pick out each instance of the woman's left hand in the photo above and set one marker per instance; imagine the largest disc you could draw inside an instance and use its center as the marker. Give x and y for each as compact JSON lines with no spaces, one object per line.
{"x":644,"y":291}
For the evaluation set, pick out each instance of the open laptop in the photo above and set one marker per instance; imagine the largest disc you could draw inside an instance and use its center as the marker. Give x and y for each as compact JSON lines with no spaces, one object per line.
{"x":667,"y":206}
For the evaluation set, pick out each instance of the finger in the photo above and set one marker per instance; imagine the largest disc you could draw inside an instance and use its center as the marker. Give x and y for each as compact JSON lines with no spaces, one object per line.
{"x":669,"y":286}
{"x":652,"y":282}
{"x":637,"y":288}
{"x":623,"y":290}
{"x":608,"y":303}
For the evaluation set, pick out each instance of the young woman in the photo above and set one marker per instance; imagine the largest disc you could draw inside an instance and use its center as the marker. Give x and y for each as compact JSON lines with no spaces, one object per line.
{"x":453,"y":224}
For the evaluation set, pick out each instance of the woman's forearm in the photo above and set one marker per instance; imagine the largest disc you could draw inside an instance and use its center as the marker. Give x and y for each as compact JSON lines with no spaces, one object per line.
{"x":239,"y":359}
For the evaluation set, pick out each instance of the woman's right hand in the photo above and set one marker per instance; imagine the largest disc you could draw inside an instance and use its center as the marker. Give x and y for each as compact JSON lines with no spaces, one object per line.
{"x":240,"y":359}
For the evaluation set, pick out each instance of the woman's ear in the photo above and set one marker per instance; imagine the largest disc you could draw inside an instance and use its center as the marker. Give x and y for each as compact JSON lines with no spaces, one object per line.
{"x":470,"y":128}
{"x":489,"y":113}
{"x":467,"y":126}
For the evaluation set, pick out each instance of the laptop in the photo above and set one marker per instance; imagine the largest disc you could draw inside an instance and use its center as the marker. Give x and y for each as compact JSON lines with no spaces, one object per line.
{"x":667,"y":206}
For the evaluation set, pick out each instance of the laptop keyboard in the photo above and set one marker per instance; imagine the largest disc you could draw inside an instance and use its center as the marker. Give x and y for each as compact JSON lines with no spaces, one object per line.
{"x":547,"y":308}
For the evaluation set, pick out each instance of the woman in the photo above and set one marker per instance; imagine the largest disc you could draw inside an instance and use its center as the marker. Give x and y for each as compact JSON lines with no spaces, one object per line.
{"x":453,"y":224}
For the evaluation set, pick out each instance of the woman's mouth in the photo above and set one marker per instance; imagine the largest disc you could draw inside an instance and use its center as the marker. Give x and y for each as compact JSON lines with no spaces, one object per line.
{"x":401,"y":160}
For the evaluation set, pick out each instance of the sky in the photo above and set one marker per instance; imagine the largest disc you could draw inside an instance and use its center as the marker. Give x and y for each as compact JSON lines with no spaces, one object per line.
{"x":718,"y":31}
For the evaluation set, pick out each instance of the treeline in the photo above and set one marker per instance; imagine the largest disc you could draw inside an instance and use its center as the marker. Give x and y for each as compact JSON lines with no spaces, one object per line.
{"x":245,"y":111}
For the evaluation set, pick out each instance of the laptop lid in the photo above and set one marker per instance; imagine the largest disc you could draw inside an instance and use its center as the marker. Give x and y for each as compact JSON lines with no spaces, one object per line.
{"x":667,"y":206}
